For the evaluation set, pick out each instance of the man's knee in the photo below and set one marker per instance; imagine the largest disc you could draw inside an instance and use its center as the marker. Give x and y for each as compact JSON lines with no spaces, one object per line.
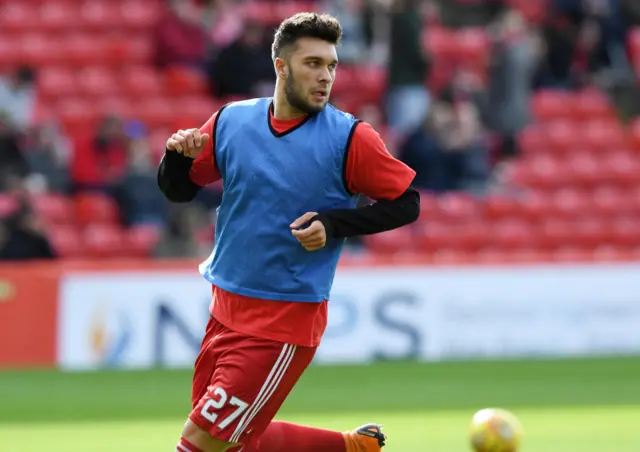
{"x":202,"y":440}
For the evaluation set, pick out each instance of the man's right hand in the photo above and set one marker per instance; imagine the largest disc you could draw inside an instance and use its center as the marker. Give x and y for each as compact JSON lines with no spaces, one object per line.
{"x":189,"y":143}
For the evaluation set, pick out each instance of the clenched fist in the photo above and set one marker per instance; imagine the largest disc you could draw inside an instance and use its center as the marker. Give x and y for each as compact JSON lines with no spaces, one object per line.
{"x":188,"y":142}
{"x":314,"y":236}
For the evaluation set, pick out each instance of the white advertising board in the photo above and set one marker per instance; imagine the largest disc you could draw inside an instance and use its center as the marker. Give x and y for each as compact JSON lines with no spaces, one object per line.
{"x":145,"y":319}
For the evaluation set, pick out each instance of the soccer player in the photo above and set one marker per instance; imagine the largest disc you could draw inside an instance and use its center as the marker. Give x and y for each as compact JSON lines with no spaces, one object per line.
{"x":292,"y":167}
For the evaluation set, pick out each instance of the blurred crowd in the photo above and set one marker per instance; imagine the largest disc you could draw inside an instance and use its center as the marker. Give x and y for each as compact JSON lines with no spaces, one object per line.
{"x":454,"y":114}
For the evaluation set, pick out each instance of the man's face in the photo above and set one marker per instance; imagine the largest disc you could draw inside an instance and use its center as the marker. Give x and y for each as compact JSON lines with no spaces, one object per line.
{"x":310,"y":72}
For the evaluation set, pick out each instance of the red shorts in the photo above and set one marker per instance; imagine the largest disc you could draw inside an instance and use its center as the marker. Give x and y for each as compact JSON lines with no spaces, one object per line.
{"x":241,"y":381}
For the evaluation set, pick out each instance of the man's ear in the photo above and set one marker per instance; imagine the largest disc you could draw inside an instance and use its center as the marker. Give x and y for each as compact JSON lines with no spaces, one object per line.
{"x":282,"y":70}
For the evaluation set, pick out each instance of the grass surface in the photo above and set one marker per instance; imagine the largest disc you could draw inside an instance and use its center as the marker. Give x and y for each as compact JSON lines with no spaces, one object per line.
{"x":577,"y":405}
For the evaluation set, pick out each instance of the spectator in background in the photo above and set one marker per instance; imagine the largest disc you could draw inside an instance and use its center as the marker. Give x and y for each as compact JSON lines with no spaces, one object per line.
{"x":244,"y":68}
{"x":99,"y":160}
{"x":408,"y":68}
{"x":353,"y":47}
{"x":13,"y":165}
{"x":181,"y":36}
{"x":22,"y":238}
{"x":182,"y":238}
{"x":140,"y":200}
{"x":446,"y":151}
{"x":47,"y":152}
{"x":18,"y":97}
{"x":513,"y":64}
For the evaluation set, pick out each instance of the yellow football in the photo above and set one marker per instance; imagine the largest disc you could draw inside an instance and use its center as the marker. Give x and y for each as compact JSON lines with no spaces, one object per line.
{"x":495,"y":430}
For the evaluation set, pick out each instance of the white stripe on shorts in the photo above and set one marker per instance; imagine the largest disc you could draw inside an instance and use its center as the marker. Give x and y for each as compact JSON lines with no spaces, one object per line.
{"x":267,"y":390}
{"x":181,"y":448}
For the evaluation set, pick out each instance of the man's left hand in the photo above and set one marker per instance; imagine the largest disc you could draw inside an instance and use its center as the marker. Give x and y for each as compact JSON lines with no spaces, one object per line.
{"x":314,"y":236}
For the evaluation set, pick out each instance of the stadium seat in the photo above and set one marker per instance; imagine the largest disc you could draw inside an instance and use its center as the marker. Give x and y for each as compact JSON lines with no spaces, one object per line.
{"x":38,"y":49}
{"x":58,"y":16}
{"x":569,"y":203}
{"x":96,"y":208}
{"x":104,"y":241}
{"x":603,"y":135}
{"x":142,"y":81}
{"x":554,"y":234}
{"x":66,"y":241}
{"x":509,"y":235}
{"x":390,"y":242}
{"x":18,"y":16}
{"x":8,"y":204}
{"x":472,"y":236}
{"x":563,"y":136}
{"x":139,"y":15}
{"x":53,"y":208}
{"x":154,"y":112}
{"x":551,"y":105}
{"x":97,"y":81}
{"x":533,"y":139}
{"x":140,"y":240}
{"x":97,"y":14}
{"x":56,"y":82}
{"x":184,"y":81}
{"x":457,"y":207}
{"x":472,"y":46}
{"x":591,"y":104}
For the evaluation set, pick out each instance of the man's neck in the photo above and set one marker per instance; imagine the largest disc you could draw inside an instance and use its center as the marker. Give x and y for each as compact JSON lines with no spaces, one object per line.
{"x":282,"y":110}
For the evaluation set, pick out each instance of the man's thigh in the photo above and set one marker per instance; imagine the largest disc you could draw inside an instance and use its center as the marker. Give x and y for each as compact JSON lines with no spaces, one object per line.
{"x":250,"y":380}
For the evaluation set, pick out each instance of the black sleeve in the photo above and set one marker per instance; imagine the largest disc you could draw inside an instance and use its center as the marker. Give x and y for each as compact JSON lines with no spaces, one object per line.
{"x":381,"y":216}
{"x":173,"y":177}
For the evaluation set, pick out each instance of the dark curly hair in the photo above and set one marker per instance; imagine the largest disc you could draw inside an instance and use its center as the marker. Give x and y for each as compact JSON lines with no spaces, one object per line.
{"x":305,"y":25}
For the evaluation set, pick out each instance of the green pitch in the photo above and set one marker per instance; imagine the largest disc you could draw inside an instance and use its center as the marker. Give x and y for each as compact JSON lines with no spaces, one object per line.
{"x":565,"y":406}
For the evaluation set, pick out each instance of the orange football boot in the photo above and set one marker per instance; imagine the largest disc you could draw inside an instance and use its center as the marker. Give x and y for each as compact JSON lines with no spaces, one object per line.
{"x":368,"y":438}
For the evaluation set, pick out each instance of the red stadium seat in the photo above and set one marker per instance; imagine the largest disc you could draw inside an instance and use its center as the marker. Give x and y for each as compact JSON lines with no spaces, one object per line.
{"x":38,"y":49}
{"x":621,"y":167}
{"x":608,"y":201}
{"x":625,"y":232}
{"x":103,"y":241}
{"x":81,"y":49}
{"x":97,"y":81}
{"x":140,"y":240}
{"x":8,"y":204}
{"x":128,"y":49}
{"x":603,"y":135}
{"x":53,"y":208}
{"x":533,"y":139}
{"x":500,"y":207}
{"x":59,"y":15}
{"x":472,"y":46}
{"x":184,"y":81}
{"x":458,"y":207}
{"x":142,"y":81}
{"x":77,"y":115}
{"x":551,"y":105}
{"x":18,"y":16}
{"x":96,"y":14}
{"x":512,"y":234}
{"x":472,"y":236}
{"x":139,"y":14}
{"x":569,"y":203}
{"x":590,"y":233}
{"x":591,"y":104}
{"x":582,"y":170}
{"x":96,"y":208}
{"x":155,"y":112}
{"x":66,"y":241}
{"x":555,"y":234}
{"x":390,"y":242}
{"x":57,"y":82}
{"x":440,"y":43}
{"x":563,"y":136}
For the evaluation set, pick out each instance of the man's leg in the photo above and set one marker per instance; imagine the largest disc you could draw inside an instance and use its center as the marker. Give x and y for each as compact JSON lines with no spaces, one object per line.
{"x":285,"y":437}
{"x":249,"y":381}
